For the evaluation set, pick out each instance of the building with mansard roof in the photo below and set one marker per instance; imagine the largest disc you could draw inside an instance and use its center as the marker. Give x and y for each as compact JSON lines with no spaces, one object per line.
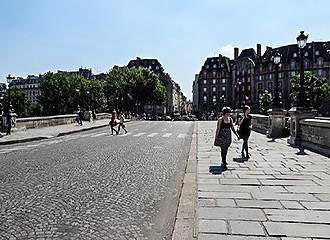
{"x":30,"y":86}
{"x":214,"y":85}
{"x":173,"y":90}
{"x":316,"y":60}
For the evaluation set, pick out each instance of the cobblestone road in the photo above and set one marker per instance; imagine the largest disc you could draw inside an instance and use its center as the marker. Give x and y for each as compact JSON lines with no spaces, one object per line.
{"x":93,"y":185}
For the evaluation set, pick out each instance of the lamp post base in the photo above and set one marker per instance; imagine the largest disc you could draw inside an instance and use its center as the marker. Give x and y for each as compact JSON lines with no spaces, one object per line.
{"x":297,"y":114}
{"x":276,"y":122}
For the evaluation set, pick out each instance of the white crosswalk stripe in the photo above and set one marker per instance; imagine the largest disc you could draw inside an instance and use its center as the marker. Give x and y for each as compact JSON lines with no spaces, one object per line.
{"x":152,"y":134}
{"x":100,"y":134}
{"x":139,"y":134}
{"x":182,"y":135}
{"x":124,"y":135}
{"x":166,"y":135}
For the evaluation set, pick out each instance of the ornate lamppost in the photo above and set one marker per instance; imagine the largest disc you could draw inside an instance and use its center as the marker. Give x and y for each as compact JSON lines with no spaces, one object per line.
{"x":276,"y":99}
{"x":302,"y":101}
{"x":277,"y":113}
{"x":9,"y":81}
{"x":301,"y":109}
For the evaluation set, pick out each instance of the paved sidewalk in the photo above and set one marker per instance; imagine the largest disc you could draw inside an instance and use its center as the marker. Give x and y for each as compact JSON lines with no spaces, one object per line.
{"x":50,"y":132}
{"x":277,"y":194}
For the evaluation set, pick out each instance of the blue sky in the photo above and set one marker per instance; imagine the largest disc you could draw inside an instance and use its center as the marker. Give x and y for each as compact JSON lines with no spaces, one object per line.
{"x":42,"y":35}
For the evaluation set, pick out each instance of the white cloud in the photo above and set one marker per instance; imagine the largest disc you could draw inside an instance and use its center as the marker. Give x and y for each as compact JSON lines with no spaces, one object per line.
{"x":228,"y":51}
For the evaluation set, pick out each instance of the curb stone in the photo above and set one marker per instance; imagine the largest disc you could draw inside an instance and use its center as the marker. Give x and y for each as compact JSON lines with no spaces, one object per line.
{"x":185,"y":228}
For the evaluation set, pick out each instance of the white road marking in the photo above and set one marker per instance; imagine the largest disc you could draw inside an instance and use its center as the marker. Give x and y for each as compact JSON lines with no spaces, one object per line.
{"x":182,"y":135}
{"x":167,"y":135}
{"x":152,"y":134}
{"x":100,"y":134}
{"x":139,"y":134}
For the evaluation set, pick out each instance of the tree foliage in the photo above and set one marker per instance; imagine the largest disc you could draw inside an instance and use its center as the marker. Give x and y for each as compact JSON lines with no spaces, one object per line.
{"x":131,"y":88}
{"x":19,"y":102}
{"x":265,"y":102}
{"x":317,"y":89}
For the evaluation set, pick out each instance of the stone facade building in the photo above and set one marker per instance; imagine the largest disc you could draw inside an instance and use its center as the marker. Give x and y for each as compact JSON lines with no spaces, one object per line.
{"x":316,"y":59}
{"x":30,"y":86}
{"x":214,"y":85}
{"x":243,"y":79}
{"x":173,"y":90}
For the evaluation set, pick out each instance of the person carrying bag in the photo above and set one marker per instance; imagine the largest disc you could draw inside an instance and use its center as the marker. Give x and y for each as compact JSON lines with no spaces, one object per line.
{"x":223,"y":134}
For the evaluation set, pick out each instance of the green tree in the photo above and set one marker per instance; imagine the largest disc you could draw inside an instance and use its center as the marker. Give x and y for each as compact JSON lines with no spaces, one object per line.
{"x":317,"y":89}
{"x":265,"y":102}
{"x":63,"y":93}
{"x":20,"y":103}
{"x":127,"y":88}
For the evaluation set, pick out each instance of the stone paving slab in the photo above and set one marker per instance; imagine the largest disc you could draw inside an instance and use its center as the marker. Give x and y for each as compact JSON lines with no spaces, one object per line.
{"x":298,"y":229}
{"x":277,"y":194}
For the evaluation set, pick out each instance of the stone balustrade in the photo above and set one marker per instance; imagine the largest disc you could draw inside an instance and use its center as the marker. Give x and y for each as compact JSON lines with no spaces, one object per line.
{"x":315,"y":134}
{"x":260,"y":123}
{"x":48,"y":121}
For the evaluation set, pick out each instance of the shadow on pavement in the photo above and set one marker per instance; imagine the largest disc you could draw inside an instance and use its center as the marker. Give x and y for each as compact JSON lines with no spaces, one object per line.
{"x":240,"y":160}
{"x":216,"y":169}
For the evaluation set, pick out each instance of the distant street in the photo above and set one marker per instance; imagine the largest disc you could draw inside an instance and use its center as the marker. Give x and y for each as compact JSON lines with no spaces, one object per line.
{"x":93,"y":185}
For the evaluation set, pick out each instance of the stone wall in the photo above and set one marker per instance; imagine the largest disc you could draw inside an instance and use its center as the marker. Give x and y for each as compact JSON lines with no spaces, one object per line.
{"x":315,"y":134}
{"x":260,"y":123}
{"x":48,"y":121}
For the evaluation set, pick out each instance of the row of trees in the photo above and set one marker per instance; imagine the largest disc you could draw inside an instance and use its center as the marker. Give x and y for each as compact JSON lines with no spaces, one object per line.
{"x":126,"y":89}
{"x":317,"y":90}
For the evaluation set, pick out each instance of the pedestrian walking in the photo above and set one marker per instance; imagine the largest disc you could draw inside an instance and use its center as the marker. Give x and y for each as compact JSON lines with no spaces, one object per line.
{"x":80,"y":117}
{"x":10,"y":122}
{"x":113,"y":122}
{"x":121,"y":123}
{"x":245,"y":130}
{"x":223,"y":134}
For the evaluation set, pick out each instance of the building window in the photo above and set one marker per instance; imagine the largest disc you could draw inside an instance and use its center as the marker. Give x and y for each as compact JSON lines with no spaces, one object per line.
{"x":214,"y":66}
{"x":306,"y":54}
{"x":249,"y":79}
{"x":214,"y":98}
{"x":204,"y":73}
{"x":319,"y":72}
{"x":157,"y":67}
{"x":317,"y":53}
{"x":292,"y":73}
{"x":223,"y":80}
{"x":214,"y":81}
{"x":294,"y":54}
{"x":207,"y":66}
{"x":259,"y":86}
{"x":214,"y":74}
{"x":319,"y":61}
{"x":204,"y":89}
{"x":204,"y":81}
{"x":260,"y":77}
{"x":214,"y":89}
{"x":280,"y":84}
{"x":270,"y":85}
{"x":293,"y":64}
{"x":270,"y":76}
{"x":205,"y":98}
{"x":249,"y":70}
{"x":249,"y":88}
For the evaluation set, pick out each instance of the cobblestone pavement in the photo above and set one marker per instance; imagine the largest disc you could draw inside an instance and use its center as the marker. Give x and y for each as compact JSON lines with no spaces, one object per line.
{"x":277,"y":194}
{"x":93,"y":185}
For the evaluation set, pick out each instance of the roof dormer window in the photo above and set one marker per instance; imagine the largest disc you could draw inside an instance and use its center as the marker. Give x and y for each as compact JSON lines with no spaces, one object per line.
{"x":317,"y":53}
{"x":294,"y":54}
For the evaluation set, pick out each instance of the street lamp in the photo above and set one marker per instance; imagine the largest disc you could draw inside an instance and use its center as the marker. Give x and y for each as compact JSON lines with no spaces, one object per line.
{"x":9,"y":81}
{"x":302,"y":101}
{"x":276,"y":99}
{"x":239,"y":94}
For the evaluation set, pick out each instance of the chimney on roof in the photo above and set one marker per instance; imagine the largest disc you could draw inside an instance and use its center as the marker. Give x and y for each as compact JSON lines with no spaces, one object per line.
{"x":259,"y":49}
{"x":236,"y":51}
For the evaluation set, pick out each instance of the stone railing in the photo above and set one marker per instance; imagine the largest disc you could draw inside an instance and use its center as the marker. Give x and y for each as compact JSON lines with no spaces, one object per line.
{"x":260,"y":123}
{"x":48,"y":121}
{"x":315,"y":134}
